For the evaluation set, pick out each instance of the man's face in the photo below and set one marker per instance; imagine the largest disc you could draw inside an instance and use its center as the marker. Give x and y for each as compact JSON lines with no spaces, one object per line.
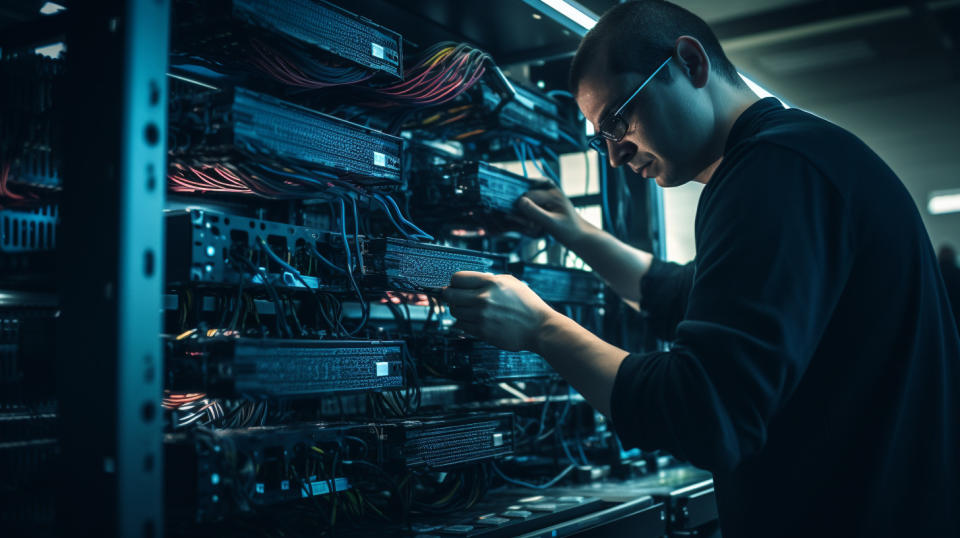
{"x":670,"y":123}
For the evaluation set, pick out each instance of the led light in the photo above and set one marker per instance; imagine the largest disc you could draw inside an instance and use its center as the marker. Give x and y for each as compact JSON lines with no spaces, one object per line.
{"x":51,"y":51}
{"x":49,"y":8}
{"x":942,"y":202}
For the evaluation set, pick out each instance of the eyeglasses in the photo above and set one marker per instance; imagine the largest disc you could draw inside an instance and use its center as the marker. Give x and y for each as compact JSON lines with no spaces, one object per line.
{"x":614,"y":126}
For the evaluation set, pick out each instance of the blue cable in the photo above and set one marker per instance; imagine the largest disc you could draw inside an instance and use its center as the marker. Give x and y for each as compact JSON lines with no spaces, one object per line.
{"x":550,"y":153}
{"x":316,"y":254}
{"x":266,"y":248}
{"x":544,"y":169}
{"x":525,"y":152}
{"x":550,"y":172}
{"x":579,"y":443}
{"x":404,"y":220}
{"x":523,"y":484}
{"x":393,"y":220}
{"x":419,"y":232}
{"x":356,"y":234}
{"x":529,"y":140}
{"x":570,"y":139}
{"x":583,"y":455}
{"x":558,"y":428}
{"x":353,"y":281}
{"x":533,"y":158}
{"x":523,"y":163}
{"x":346,"y":242}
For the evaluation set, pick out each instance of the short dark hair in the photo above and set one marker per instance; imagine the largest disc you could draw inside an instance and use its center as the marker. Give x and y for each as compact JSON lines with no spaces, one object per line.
{"x":635,"y":36}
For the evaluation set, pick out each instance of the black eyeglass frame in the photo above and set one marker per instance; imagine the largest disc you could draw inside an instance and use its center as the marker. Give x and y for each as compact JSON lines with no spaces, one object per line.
{"x":613,"y":127}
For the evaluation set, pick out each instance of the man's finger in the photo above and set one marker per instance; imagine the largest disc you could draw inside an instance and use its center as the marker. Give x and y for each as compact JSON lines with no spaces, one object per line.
{"x":541,"y":184}
{"x":528,"y":208}
{"x":461,"y":297}
{"x":466,"y":313}
{"x":469,"y":279}
{"x":541,"y":196}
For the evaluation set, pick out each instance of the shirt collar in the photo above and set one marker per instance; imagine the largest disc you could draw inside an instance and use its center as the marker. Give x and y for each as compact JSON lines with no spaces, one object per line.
{"x":749,"y":121}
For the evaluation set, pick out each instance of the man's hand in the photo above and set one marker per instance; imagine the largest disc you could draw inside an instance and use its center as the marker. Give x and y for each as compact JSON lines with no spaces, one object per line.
{"x":506,"y":313}
{"x":620,"y":265}
{"x":498,"y":309}
{"x":550,"y":211}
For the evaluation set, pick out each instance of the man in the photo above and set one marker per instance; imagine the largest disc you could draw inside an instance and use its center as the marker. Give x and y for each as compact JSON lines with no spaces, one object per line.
{"x":813,"y":368}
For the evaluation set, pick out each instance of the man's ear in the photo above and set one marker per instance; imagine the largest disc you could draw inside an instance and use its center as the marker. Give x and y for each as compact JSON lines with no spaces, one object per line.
{"x":693,"y":60}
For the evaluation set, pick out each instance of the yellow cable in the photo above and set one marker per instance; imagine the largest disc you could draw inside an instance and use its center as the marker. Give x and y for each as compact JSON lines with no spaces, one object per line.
{"x":436,"y":57}
{"x":468,"y":134}
{"x":185,"y":334}
{"x":432,"y":119}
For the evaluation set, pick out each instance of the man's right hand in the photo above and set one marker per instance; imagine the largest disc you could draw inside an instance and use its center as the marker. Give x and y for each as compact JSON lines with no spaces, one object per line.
{"x":549,"y":210}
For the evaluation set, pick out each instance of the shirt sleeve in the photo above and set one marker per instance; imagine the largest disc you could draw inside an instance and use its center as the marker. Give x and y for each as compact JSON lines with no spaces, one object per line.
{"x":774,"y":250}
{"x":663,"y":296}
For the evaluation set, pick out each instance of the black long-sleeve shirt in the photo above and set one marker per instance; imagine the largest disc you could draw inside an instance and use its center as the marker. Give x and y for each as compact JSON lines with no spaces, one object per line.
{"x":814,"y":366}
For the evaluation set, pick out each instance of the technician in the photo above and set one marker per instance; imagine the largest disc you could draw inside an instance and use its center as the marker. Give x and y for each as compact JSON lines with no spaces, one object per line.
{"x":814,"y":360}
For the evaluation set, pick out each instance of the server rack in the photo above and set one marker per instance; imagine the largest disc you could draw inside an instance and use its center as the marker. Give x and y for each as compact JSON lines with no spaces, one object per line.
{"x":111,"y":259}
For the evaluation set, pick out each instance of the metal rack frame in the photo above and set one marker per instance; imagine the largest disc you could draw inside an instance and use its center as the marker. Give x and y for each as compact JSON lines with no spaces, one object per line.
{"x":109,"y":362}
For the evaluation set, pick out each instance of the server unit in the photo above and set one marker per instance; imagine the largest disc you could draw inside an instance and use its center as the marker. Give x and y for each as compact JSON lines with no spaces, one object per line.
{"x":315,"y":30}
{"x":409,"y":265}
{"x":247,"y":126}
{"x":281,"y":368}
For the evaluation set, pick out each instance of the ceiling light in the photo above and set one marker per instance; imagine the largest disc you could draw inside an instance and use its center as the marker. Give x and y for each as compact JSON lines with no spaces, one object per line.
{"x":942,"y":202}
{"x":50,"y":8}
{"x":573,"y":13}
{"x":51,"y":51}
{"x":570,"y":14}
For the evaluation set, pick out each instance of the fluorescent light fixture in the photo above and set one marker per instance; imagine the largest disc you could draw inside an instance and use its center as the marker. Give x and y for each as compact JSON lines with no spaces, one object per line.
{"x":51,"y":51}
{"x":49,"y":8}
{"x":568,"y":13}
{"x":573,"y":13}
{"x":942,"y":202}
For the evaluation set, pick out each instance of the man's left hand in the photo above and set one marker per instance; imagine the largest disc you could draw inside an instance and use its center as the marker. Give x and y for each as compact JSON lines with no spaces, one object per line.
{"x":498,"y":309}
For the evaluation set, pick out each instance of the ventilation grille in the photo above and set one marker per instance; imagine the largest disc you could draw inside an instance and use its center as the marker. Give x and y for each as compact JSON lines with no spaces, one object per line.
{"x":28,"y":231}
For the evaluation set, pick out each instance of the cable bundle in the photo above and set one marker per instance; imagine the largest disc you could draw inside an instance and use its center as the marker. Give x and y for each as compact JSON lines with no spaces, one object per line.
{"x":256,"y":179}
{"x":297,"y":68}
{"x":444,"y":72}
